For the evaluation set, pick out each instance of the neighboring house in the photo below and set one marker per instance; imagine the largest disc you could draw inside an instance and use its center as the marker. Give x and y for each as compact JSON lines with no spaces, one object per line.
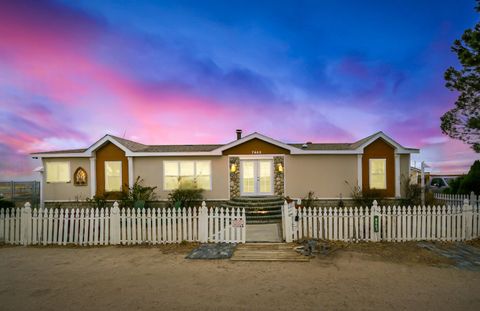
{"x":416,"y":176}
{"x":254,"y":165}
{"x":439,"y":182}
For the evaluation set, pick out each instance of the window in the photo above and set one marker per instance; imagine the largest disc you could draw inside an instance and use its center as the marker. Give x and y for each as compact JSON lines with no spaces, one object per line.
{"x":58,"y":171}
{"x":378,"y":174}
{"x":80,"y":177}
{"x":187,"y":174}
{"x":113,"y":176}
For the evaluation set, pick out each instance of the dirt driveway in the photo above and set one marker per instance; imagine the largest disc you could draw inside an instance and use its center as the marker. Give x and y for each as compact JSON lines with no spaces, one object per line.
{"x":141,"y":278}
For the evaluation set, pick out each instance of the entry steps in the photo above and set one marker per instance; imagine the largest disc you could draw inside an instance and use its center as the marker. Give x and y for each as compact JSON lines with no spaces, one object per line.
{"x":259,"y":209}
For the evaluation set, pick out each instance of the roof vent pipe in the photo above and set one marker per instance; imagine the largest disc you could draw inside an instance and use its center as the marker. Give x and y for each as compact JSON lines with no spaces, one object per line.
{"x":239,"y":134}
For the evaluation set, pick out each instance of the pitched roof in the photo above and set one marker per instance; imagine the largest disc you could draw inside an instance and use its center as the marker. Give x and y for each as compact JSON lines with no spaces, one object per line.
{"x":134,"y":146}
{"x":317,"y":146}
{"x":62,"y":151}
{"x":130,"y":144}
{"x":180,"y":148}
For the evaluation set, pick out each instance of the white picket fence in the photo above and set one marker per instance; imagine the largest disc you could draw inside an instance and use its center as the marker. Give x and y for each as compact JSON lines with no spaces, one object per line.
{"x":386,"y":223}
{"x":112,"y":226}
{"x":217,"y":225}
{"x":458,"y":199}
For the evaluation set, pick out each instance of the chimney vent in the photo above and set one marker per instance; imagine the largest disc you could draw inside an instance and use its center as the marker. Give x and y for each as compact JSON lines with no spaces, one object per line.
{"x":239,"y":134}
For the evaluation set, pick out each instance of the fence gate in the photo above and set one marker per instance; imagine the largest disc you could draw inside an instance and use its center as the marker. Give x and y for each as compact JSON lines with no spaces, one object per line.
{"x":223,"y":224}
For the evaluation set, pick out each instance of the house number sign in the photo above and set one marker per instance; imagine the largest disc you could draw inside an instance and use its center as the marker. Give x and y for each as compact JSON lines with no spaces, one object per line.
{"x":375,"y":223}
{"x":256,"y":151}
{"x":238,"y":223}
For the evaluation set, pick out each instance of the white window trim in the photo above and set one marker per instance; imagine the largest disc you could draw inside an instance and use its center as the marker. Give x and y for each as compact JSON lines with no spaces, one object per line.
{"x":105,"y":177}
{"x":194,"y":172}
{"x":58,"y":182}
{"x":370,"y":173}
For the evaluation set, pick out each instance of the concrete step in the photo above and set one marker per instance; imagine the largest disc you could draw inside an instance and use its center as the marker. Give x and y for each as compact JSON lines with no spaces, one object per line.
{"x":258,"y":199}
{"x":275,"y":219}
{"x":267,"y":252}
{"x":255,"y":203}
{"x":263,"y":212}
{"x":259,"y":209}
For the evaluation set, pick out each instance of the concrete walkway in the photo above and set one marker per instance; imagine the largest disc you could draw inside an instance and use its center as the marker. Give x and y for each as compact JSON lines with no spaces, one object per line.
{"x":264,"y":233}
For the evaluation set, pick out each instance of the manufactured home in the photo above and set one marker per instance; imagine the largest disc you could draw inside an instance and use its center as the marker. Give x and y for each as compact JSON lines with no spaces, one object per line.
{"x":251,"y":166}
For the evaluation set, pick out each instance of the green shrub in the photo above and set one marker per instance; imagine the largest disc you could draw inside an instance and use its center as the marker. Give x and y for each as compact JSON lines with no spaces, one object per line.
{"x":138,"y":195}
{"x":186,"y":195}
{"x":366,"y":197}
{"x":413,"y":193}
{"x":309,"y":200}
{"x":454,"y":185}
{"x":6,"y":203}
{"x":467,"y":183}
{"x":97,"y":201}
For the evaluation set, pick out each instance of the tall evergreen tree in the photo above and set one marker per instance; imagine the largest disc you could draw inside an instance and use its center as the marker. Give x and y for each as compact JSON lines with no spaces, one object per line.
{"x":463,"y":121}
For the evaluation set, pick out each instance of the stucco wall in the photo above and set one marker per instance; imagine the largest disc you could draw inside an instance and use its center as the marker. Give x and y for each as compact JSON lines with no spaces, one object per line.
{"x":67,"y":191}
{"x":404,"y":172}
{"x":150,"y":169}
{"x":323,"y":174}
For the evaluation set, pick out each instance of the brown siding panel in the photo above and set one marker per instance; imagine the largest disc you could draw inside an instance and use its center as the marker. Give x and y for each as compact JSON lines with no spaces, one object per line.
{"x":379,"y":149}
{"x":256,"y":146}
{"x":110,"y":152}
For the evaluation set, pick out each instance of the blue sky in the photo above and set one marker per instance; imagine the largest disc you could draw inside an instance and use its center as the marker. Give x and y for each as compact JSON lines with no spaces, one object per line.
{"x":194,"y":71}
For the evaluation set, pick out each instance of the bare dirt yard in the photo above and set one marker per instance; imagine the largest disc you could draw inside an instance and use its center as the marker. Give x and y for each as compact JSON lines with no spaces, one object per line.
{"x":358,"y":277}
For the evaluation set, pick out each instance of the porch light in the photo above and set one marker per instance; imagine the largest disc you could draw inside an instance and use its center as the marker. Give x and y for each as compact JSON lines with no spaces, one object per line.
{"x":233,"y":168}
{"x":280,"y":167}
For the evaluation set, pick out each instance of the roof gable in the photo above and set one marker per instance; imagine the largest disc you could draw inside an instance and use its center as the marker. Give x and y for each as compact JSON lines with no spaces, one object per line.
{"x":257,"y":136}
{"x":256,"y":146}
{"x":361,"y":144}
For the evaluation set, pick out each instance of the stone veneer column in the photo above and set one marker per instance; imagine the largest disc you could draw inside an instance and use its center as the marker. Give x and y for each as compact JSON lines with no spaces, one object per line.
{"x":279,"y":177}
{"x":234,"y":177}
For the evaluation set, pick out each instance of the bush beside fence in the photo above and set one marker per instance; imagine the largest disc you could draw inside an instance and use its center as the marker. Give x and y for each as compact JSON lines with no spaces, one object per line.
{"x":112,"y":226}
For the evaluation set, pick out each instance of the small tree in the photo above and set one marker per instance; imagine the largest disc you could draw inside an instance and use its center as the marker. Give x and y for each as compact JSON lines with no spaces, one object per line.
{"x":463,"y":121}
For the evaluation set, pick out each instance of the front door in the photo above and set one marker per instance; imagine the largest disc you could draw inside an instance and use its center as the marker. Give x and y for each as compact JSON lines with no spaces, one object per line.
{"x":256,"y":177}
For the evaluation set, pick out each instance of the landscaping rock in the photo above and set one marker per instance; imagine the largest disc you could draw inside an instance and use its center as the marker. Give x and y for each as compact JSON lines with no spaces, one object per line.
{"x":465,"y":256}
{"x":212,"y":251}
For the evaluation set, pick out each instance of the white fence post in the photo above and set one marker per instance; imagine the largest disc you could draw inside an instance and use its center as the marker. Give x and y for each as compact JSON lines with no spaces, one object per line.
{"x":287,"y":222}
{"x":375,"y":222}
{"x":26,"y":224}
{"x":467,"y":219}
{"x":115,"y":224}
{"x":473,"y":201}
{"x":203,"y":223}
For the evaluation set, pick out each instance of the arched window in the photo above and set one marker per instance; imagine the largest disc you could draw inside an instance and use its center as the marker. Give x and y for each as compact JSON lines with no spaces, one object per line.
{"x":80,"y":177}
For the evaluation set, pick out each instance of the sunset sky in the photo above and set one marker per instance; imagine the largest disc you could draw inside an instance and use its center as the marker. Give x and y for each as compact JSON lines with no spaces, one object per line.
{"x":168,"y":72}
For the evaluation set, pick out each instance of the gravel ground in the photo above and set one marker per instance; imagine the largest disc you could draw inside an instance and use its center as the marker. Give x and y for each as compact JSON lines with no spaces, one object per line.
{"x":361,"y":277}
